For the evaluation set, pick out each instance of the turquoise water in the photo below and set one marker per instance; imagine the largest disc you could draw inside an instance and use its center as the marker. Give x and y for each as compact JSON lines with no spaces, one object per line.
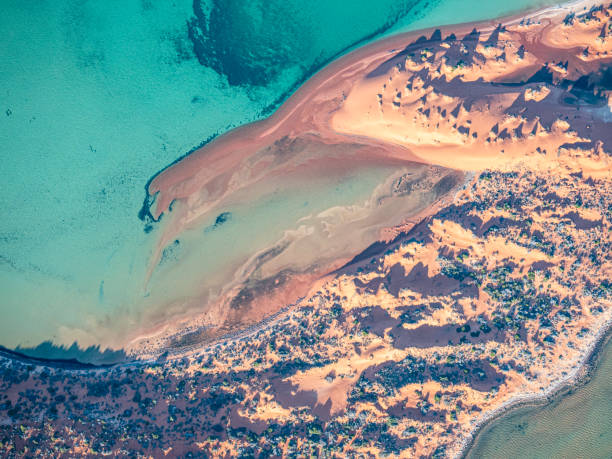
{"x":458,"y":11}
{"x":578,"y":425}
{"x":217,"y":248}
{"x":98,"y":96}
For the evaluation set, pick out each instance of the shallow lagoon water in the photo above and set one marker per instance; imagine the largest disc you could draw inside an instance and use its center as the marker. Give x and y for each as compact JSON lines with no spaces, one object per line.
{"x":293,"y":219}
{"x":576,"y":425}
{"x":98,"y":97}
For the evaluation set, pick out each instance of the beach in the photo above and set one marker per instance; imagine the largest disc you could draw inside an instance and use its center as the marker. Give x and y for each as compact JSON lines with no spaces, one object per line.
{"x":415,"y":244}
{"x":215,"y":174}
{"x":58,"y":247}
{"x":582,"y":373}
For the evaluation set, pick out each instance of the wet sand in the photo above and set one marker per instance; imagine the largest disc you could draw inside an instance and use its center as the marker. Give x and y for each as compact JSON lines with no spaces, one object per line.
{"x":308,"y":110}
{"x":405,"y":328}
{"x":252,"y":156}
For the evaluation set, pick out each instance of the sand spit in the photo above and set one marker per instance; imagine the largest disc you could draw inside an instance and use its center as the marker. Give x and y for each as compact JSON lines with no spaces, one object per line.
{"x":494,"y":294}
{"x":312,"y":107}
{"x":468,"y":97}
{"x":502,"y":96}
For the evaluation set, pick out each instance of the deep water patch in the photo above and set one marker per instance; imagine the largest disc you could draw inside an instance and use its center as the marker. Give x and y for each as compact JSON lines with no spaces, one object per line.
{"x":255,"y":43}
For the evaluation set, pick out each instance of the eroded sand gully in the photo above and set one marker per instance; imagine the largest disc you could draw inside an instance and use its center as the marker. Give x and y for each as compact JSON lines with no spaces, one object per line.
{"x":466,"y":98}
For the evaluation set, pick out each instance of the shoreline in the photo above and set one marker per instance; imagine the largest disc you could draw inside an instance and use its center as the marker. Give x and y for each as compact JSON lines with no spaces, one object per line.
{"x":488,"y":307}
{"x":228,"y":151}
{"x":371,"y":53}
{"x":579,"y":377}
{"x":562,"y":383}
{"x":329,"y":78}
